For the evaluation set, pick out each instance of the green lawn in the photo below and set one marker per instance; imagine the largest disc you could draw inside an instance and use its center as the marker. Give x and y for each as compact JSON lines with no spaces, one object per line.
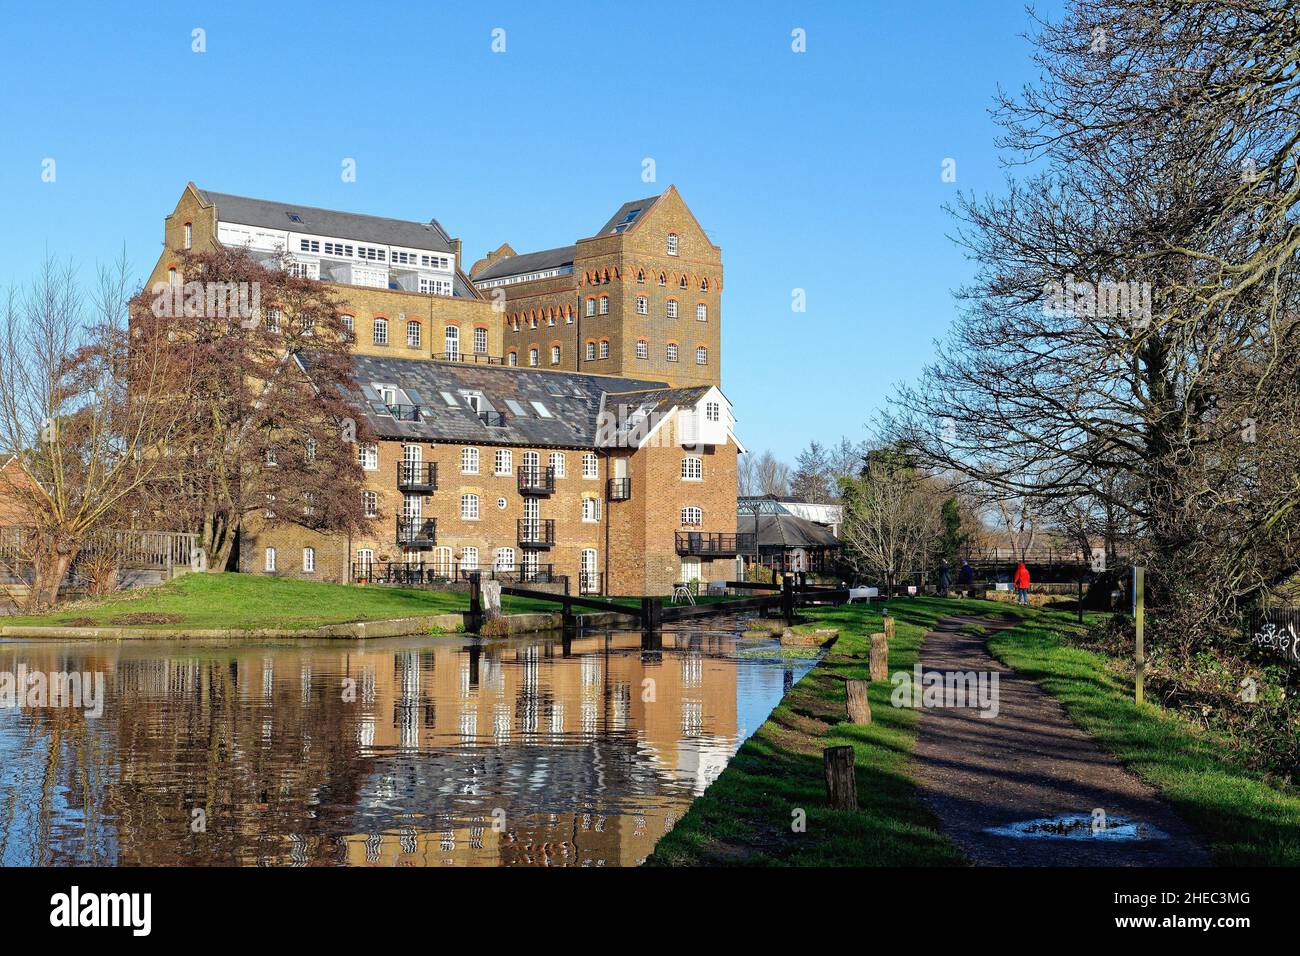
{"x":1246,"y":820}
{"x":250,"y":601}
{"x":746,"y":816}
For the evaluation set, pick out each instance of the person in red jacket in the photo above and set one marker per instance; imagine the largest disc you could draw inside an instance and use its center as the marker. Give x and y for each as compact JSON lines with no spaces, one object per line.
{"x":1021,"y":581}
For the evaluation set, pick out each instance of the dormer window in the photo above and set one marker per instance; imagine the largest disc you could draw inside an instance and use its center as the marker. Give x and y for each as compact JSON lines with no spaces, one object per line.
{"x":672,"y":243}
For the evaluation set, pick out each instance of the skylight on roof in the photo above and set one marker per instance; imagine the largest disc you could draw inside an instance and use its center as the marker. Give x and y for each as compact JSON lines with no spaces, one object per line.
{"x":449,"y":398}
{"x":294,"y":217}
{"x":542,"y":410}
{"x":516,"y":408}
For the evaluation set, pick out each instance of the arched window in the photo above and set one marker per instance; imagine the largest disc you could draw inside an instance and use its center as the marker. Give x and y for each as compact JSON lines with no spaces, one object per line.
{"x":663,"y":279}
{"x":640,"y":277}
{"x":512,"y":359}
{"x":591,"y":305}
{"x":189,"y":235}
{"x":704,"y":284}
{"x":349,"y":327}
{"x":681,"y":283}
{"x":469,"y":461}
{"x":469,"y":507}
{"x":379,"y":333}
{"x":701,"y":356}
{"x":413,"y":334}
{"x":452,"y":339}
{"x":642,"y":349}
{"x":670,"y":352}
{"x":532,"y":357}
{"x":604,"y":348}
{"x":591,"y":351}
{"x":692,"y":516}
{"x":692,"y":468}
{"x":555,"y":355}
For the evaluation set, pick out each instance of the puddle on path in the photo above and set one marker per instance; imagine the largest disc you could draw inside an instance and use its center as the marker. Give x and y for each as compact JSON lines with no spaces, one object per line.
{"x":1080,"y":827}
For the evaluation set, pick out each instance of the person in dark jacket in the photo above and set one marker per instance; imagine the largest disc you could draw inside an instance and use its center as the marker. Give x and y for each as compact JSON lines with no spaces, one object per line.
{"x":945,"y":576}
{"x":966,"y":578}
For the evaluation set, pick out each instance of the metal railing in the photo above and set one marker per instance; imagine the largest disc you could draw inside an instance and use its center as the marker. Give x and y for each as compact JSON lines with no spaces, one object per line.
{"x":536,"y":532}
{"x":417,"y":532}
{"x":536,"y":481}
{"x":708,"y":543}
{"x":474,"y":358}
{"x":417,"y":476}
{"x":404,"y":413}
{"x":492,"y":419}
{"x":620,"y":489}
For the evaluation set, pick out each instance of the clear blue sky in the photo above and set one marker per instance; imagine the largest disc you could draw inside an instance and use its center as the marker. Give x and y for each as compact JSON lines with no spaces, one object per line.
{"x":818,"y":170}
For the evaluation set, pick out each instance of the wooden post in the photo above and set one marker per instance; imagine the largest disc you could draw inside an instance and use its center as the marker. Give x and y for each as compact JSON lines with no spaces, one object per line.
{"x":889,"y":626}
{"x":1139,"y":618}
{"x":841,"y":783}
{"x":859,"y":707}
{"x":1080,"y":600}
{"x":475,"y":601}
{"x":787,"y":598}
{"x":651,"y":614}
{"x":879,"y":657}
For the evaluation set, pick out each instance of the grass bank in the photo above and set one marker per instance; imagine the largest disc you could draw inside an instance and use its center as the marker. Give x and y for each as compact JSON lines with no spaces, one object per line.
{"x":746,"y":817}
{"x":1247,"y":819}
{"x":249,"y":601}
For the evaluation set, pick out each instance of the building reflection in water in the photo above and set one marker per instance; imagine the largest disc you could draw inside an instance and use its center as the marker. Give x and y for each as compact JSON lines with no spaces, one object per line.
{"x":402,"y":752}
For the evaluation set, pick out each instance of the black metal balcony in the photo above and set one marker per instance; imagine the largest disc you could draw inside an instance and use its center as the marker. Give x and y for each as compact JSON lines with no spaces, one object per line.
{"x":475,"y":358}
{"x":417,"y":532}
{"x":405,"y":413}
{"x":620,"y":489}
{"x":589,"y":582}
{"x":536,"y":481}
{"x":708,"y":544}
{"x":417,"y":477}
{"x":536,"y":533}
{"x":492,"y":419}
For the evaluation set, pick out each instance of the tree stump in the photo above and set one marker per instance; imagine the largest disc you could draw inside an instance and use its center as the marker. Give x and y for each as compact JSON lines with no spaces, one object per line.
{"x":879,"y":657}
{"x":491,"y":600}
{"x":889,"y":626}
{"x":859,"y":707}
{"x":841,"y":784}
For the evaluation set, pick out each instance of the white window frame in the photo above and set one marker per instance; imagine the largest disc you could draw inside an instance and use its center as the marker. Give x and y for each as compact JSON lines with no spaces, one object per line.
{"x":379,"y":332}
{"x":469,"y":461}
{"x":503,"y":462}
{"x":672,"y":244}
{"x":557,"y":461}
{"x":701,"y":312}
{"x":642,"y":305}
{"x":701,"y":355}
{"x":480,"y":341}
{"x":555,"y":355}
{"x":451,"y":341}
{"x":309,"y":560}
{"x":189,"y":235}
{"x":604,"y":348}
{"x":498,"y":564}
{"x":671,"y":309}
{"x":370,"y":504}
{"x":591,"y":306}
{"x":692,"y":512}
{"x":413,"y":333}
{"x":368,"y":455}
{"x":604,"y":305}
{"x":469,"y":558}
{"x":670,"y":351}
{"x":269,"y":560}
{"x":469,"y":507}
{"x":692,"y":468}
{"x":642,"y":349}
{"x":590,"y":509}
{"x":590,"y":466}
{"x":713,"y":411}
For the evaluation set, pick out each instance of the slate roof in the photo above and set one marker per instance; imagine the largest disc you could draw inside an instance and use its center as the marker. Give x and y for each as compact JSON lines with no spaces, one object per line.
{"x":617,"y":221}
{"x":572,"y":398}
{"x":786,"y":531}
{"x":528,"y":262}
{"x":272,"y":214}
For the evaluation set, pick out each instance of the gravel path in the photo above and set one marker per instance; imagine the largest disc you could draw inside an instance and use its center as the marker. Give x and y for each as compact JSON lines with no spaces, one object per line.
{"x":1030,"y":762}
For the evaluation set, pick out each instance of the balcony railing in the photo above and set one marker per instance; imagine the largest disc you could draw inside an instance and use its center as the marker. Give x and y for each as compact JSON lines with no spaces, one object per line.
{"x":417,"y":532}
{"x":411,"y":573}
{"x":417,"y":477}
{"x":537,"y":481}
{"x":516,"y":574}
{"x":536,"y":533}
{"x":589,"y":582}
{"x":711,"y":544}
{"x":474,"y":358}
{"x":492,"y":419}
{"x":405,"y":413}
{"x":620,"y":489}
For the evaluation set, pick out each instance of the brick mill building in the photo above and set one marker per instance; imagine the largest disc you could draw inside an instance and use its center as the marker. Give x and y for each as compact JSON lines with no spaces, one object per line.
{"x":547,"y":413}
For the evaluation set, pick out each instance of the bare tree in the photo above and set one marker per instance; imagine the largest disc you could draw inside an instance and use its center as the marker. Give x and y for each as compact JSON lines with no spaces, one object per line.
{"x":771,"y":476}
{"x":892,"y":518}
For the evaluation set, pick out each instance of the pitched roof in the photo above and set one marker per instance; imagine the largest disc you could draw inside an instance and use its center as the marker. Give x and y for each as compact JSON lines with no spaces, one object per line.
{"x":636,"y":409}
{"x":627,"y":215}
{"x":313,"y":221}
{"x":528,"y":262}
{"x":786,"y":531}
{"x":571,"y":399}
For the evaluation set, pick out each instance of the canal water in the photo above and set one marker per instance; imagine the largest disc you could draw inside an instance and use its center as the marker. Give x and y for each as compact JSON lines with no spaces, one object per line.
{"x":403,"y":752}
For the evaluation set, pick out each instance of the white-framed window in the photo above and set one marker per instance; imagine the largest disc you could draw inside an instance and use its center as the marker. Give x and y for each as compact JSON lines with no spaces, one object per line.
{"x":692,"y":468}
{"x":604,"y":305}
{"x":672,"y":308}
{"x":469,"y":461}
{"x":604,"y":348}
{"x":365,"y":562}
{"x":469,"y":507}
{"x":379,"y":332}
{"x":309,"y":450}
{"x":503,"y":463}
{"x":270,"y":559}
{"x":413,"y":334}
{"x":590,"y":509}
{"x":701,"y":356}
{"x":501,"y":504}
{"x":532,"y":463}
{"x":557,"y":461}
{"x":642,"y":305}
{"x":173,"y":277}
{"x":269,"y":511}
{"x":368,"y":453}
{"x":309,"y":503}
{"x":692,"y":515}
{"x":712,"y":411}
{"x":663,"y":279}
{"x":591,"y":306}
{"x":591,"y":351}
{"x":273,"y":319}
{"x":272,"y":457}
{"x":670,"y":352}
{"x":672,"y":243}
{"x":701,"y":312}
{"x":505,"y":559}
{"x":451,"y":337}
{"x":512,"y":359}
{"x":588,"y":579}
{"x":309,"y":560}
{"x":555,"y":355}
{"x":532,"y":358}
{"x":590,"y":469}
{"x":189,"y":235}
{"x":469,"y":559}
{"x":480,"y":341}
{"x":370,"y":504}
